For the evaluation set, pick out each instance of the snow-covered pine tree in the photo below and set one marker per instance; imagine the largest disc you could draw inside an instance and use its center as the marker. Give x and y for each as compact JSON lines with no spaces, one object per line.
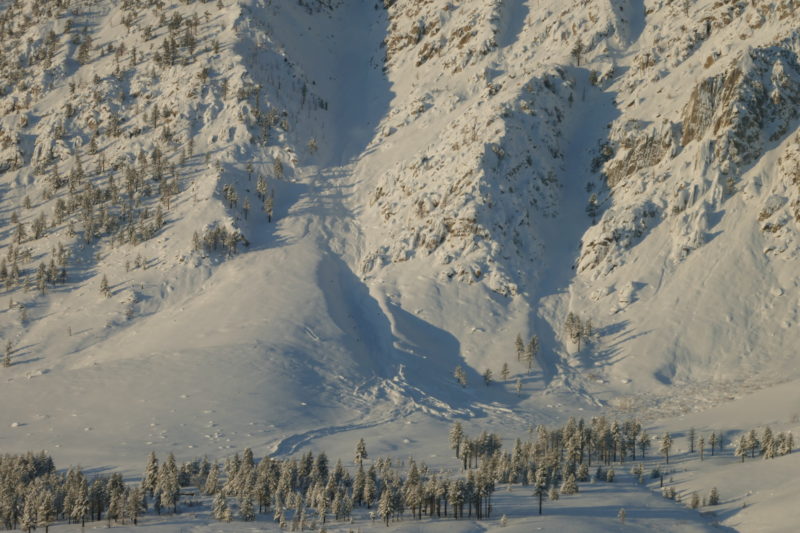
{"x":540,"y":484}
{"x":167,"y":483}
{"x":105,"y":290}
{"x":713,"y":496}
{"x":84,"y":50}
{"x":220,"y":506}
{"x":134,"y":504}
{"x":80,"y":510}
{"x":370,"y":491}
{"x":767,"y":440}
{"x":157,"y":500}
{"x":785,"y":443}
{"x":456,"y":436}
{"x":520,"y":347}
{"x":487,"y":377}
{"x":28,"y":519}
{"x":323,"y":506}
{"x":150,"y":476}
{"x":505,"y":372}
{"x":45,"y":510}
{"x":666,"y":446}
{"x":531,"y":350}
{"x":269,"y":204}
{"x":246,"y":512}
{"x":583,"y":472}
{"x":752,"y":442}
{"x":460,"y":376}
{"x":115,"y":489}
{"x":569,"y":486}
{"x":573,"y":328}
{"x":644,"y":442}
{"x":694,"y":501}
{"x":770,"y":449}
{"x":212,"y":481}
{"x":361,"y":452}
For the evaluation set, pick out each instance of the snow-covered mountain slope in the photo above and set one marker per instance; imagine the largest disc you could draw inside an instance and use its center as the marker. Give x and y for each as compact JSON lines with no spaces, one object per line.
{"x":309,"y":214}
{"x":658,"y":139}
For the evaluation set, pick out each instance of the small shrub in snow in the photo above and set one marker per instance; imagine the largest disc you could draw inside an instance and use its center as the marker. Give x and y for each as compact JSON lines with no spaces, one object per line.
{"x":713,"y":496}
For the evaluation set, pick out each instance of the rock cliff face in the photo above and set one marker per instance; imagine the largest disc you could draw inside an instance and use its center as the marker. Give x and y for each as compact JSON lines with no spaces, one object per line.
{"x":753,"y":102}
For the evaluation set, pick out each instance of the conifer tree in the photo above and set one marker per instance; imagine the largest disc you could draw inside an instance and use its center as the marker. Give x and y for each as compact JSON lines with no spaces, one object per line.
{"x":246,"y":508}
{"x":212,"y":481}
{"x":569,"y":486}
{"x":666,"y":446}
{"x":28,"y":519}
{"x":385,"y":507}
{"x":752,"y":442}
{"x":44,"y":513}
{"x":540,"y":484}
{"x":150,"y":477}
{"x":460,"y":376}
{"x":105,"y":290}
{"x":361,"y":452}
{"x":531,"y":350}
{"x":358,"y":485}
{"x":742,"y":447}
{"x":766,"y":440}
{"x":644,"y":443}
{"x":167,"y":483}
{"x":80,"y":510}
{"x":84,"y":50}
{"x":269,"y":204}
{"x":133,"y":504}
{"x":583,"y":472}
{"x":456,"y":438}
{"x":770,"y":449}
{"x":370,"y":491}
{"x":219,"y":508}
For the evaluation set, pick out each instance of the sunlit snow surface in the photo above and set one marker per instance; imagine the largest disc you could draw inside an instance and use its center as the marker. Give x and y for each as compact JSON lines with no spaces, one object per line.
{"x":344,"y":318}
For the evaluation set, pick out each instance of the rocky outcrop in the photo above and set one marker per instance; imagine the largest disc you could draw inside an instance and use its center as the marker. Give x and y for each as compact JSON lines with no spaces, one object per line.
{"x":639,"y":146}
{"x":753,"y":102}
